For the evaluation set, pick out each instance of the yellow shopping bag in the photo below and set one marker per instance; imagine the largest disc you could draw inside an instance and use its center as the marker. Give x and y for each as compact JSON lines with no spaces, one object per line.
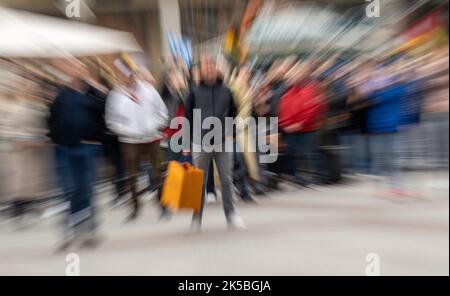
{"x":182,"y":187}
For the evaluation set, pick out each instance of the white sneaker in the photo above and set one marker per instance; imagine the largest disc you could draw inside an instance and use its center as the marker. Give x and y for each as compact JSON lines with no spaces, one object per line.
{"x":236,"y":222}
{"x":211,"y":198}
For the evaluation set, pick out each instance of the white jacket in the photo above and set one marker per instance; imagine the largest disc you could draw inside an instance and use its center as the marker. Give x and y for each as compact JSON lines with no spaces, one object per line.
{"x":138,"y":121}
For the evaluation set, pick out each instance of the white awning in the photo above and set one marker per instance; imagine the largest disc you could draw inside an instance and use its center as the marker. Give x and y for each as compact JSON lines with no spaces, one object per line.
{"x":25,"y":34}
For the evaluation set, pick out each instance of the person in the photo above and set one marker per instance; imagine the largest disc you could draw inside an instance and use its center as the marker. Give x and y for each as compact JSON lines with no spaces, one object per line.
{"x":301,"y":112}
{"x":111,"y":147}
{"x":435,"y":75}
{"x":213,"y":99}
{"x":137,"y":114}
{"x":410,"y":142}
{"x":173,"y":94}
{"x":383,"y":119}
{"x":276,"y":86}
{"x":72,"y":128}
{"x":246,"y":165}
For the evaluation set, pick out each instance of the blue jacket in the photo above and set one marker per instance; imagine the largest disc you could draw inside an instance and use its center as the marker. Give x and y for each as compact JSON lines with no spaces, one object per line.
{"x":75,"y":117}
{"x":384,"y":115}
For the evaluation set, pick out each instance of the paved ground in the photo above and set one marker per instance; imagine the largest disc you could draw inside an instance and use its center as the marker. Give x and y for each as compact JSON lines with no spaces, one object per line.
{"x":295,"y":232}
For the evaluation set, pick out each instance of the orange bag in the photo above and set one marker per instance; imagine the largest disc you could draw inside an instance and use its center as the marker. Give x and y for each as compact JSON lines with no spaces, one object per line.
{"x":182,"y":187}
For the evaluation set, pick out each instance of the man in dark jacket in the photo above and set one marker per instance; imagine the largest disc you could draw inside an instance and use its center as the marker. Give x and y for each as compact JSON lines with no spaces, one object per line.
{"x":213,"y":100}
{"x":76,"y":129}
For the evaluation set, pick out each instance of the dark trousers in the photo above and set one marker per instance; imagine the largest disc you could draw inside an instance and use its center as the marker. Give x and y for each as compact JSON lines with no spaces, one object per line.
{"x":301,"y":151}
{"x":240,"y":176}
{"x":76,"y":172}
{"x":210,"y":184}
{"x":224,"y":162}
{"x":134,"y":155}
{"x":113,"y":152}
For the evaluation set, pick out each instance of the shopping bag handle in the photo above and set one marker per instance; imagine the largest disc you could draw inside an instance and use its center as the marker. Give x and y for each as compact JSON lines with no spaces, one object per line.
{"x":187,"y":166}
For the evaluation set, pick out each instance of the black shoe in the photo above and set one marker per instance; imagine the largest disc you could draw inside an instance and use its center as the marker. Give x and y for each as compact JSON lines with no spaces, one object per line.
{"x":258,"y":191}
{"x":132,"y":217}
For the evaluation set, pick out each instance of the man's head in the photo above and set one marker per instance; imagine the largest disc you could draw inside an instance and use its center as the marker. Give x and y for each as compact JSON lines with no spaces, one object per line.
{"x":208,"y":69}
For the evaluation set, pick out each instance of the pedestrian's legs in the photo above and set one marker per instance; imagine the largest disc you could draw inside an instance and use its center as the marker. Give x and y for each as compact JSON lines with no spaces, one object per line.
{"x":82,"y":172}
{"x":156,"y":179}
{"x":224,"y":161}
{"x":92,"y":156}
{"x":291,"y":155}
{"x":348,"y":155}
{"x":114,"y":153}
{"x":359,"y":158}
{"x":366,"y":155}
{"x":240,"y":175}
{"x":202,"y":161}
{"x":64,"y":172}
{"x":382,"y":151}
{"x":131,"y":158}
{"x":309,"y":151}
{"x":155,"y":160}
{"x":210,"y":185}
{"x":66,"y":182}
{"x":443,"y":140}
{"x":376,"y":154}
{"x":392,"y":159}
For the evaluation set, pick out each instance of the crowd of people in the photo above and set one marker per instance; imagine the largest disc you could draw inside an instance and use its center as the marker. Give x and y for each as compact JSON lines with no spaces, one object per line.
{"x":335,"y":119}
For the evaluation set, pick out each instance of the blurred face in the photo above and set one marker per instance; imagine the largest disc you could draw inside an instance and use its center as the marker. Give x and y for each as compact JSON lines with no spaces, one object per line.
{"x":208,"y":69}
{"x":125,"y":80}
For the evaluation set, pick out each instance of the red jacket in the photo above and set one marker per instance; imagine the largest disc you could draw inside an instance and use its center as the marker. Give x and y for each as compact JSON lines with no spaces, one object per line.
{"x":303,"y":105}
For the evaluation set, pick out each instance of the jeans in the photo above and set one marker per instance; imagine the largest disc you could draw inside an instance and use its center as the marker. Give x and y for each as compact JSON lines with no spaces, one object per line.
{"x":76,"y":173}
{"x":437,"y":139}
{"x":355,"y":154}
{"x":410,"y":147}
{"x":224,"y":162}
{"x":384,"y":160}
